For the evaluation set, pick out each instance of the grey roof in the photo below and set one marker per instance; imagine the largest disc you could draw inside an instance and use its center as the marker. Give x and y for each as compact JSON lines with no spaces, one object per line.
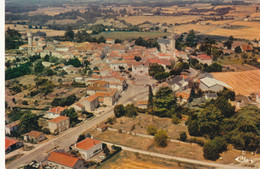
{"x":174,"y":80}
{"x":165,"y":41}
{"x":212,"y":95}
{"x":202,"y":75}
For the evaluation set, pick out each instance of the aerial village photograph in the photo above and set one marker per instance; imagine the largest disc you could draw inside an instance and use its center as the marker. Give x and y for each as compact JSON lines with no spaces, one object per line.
{"x":131,"y":84}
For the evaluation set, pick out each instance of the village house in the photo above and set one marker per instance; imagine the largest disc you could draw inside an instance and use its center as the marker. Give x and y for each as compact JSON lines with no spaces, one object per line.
{"x":241,"y":101}
{"x":204,"y":59}
{"x":181,"y":55}
{"x":88,"y":148}
{"x":142,"y":104}
{"x":90,"y":102}
{"x":116,"y":65}
{"x":110,"y":41}
{"x":62,"y":160}
{"x":108,"y":98}
{"x":163,"y":62}
{"x":59,"y":124}
{"x":257,"y":97}
{"x":140,"y":70}
{"x":182,"y":97}
{"x":56,"y":111}
{"x":11,"y":127}
{"x":210,"y":95}
{"x":211,"y":84}
{"x":78,"y":107}
{"x":179,"y":83}
{"x":34,"y":136}
{"x":71,"y":69}
{"x":12,"y":144}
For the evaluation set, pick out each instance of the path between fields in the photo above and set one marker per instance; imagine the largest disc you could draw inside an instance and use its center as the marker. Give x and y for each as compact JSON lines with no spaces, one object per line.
{"x":222,"y":166}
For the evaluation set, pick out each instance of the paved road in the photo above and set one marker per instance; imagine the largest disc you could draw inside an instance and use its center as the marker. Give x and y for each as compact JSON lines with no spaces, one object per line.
{"x":185,"y":160}
{"x":64,"y":140}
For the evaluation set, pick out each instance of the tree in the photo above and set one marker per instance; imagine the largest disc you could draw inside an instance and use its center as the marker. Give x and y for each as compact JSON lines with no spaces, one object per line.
{"x":175,"y":119}
{"x":155,"y":68}
{"x":150,"y":97}
{"x":38,"y":68}
{"x":137,"y":58}
{"x":74,"y":62}
{"x":130,"y":110}
{"x":119,"y":110}
{"x":101,"y":39}
{"x":160,"y":138}
{"x":209,"y":120}
{"x":238,"y":49}
{"x":69,"y":34}
{"x":118,"y":41}
{"x":151,"y":130}
{"x":193,"y":128}
{"x":12,"y":39}
{"x":191,"y":39}
{"x":80,"y":138}
{"x":212,"y":148}
{"x":29,"y":121}
{"x":71,"y":113}
{"x":183,"y":136}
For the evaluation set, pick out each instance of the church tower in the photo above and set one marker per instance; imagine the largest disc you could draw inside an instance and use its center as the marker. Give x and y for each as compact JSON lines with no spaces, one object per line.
{"x":172,"y":40}
{"x":30,"y":41}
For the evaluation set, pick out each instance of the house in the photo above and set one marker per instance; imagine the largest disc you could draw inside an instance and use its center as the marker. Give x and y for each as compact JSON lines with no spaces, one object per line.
{"x":182,"y":97}
{"x":71,"y":69}
{"x":140,"y":70}
{"x":12,"y":144}
{"x":34,"y":136}
{"x":163,"y":62}
{"x":257,"y":98}
{"x":204,"y":59}
{"x":59,"y":124}
{"x":11,"y":127}
{"x":88,"y":148}
{"x":78,"y":107}
{"x":116,"y":65}
{"x":108,"y":98}
{"x":56,"y":111}
{"x":90,"y":102}
{"x":179,"y":83}
{"x":110,"y":41}
{"x":241,"y":101}
{"x":211,"y":84}
{"x":91,"y":90}
{"x":247,"y":48}
{"x":166,"y":44}
{"x":142,"y":104}
{"x":210,"y":95}
{"x":63,"y":160}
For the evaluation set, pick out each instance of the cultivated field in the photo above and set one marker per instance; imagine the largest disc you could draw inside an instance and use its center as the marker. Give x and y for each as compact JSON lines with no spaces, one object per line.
{"x":135,"y":20}
{"x":245,"y":30}
{"x":141,"y":122}
{"x":130,"y":160}
{"x":132,"y":35}
{"x":24,"y":29}
{"x":244,"y":83}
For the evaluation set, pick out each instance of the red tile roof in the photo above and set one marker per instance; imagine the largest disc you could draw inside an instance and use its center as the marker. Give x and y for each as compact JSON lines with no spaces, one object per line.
{"x":247,"y":48}
{"x":91,"y":98}
{"x":87,"y":143}
{"x":204,"y":57}
{"x":184,"y":95}
{"x":58,"y":119}
{"x":9,"y":142}
{"x":58,"y":109}
{"x":159,"y":61}
{"x":63,"y":158}
{"x":14,"y":123}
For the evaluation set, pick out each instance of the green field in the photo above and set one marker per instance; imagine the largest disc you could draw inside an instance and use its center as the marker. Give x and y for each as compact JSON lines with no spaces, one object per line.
{"x":131,"y":35}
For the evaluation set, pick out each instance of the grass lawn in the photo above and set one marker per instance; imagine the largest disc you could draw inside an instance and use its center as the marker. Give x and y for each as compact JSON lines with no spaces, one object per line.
{"x":131,"y":35}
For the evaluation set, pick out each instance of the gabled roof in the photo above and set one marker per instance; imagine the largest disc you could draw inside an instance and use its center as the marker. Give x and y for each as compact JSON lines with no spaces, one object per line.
{"x":9,"y":142}
{"x":12,"y":124}
{"x":63,"y":158}
{"x":87,"y":144}
{"x":58,"y":110}
{"x":33,"y":134}
{"x":91,"y":98}
{"x":58,"y":119}
{"x":211,"y":82}
{"x":204,"y":57}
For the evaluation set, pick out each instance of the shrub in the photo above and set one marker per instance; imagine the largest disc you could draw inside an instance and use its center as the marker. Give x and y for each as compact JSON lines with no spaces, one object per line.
{"x":46,"y":131}
{"x":212,"y":148}
{"x":183,"y":136}
{"x":160,"y":138}
{"x":151,"y":130}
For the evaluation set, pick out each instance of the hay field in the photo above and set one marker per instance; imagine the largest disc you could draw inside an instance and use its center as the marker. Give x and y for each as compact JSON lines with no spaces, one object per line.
{"x":24,"y":29}
{"x":132,"y":35}
{"x":244,"y":83}
{"x":200,"y":28}
{"x":248,"y":30}
{"x":135,"y":20}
